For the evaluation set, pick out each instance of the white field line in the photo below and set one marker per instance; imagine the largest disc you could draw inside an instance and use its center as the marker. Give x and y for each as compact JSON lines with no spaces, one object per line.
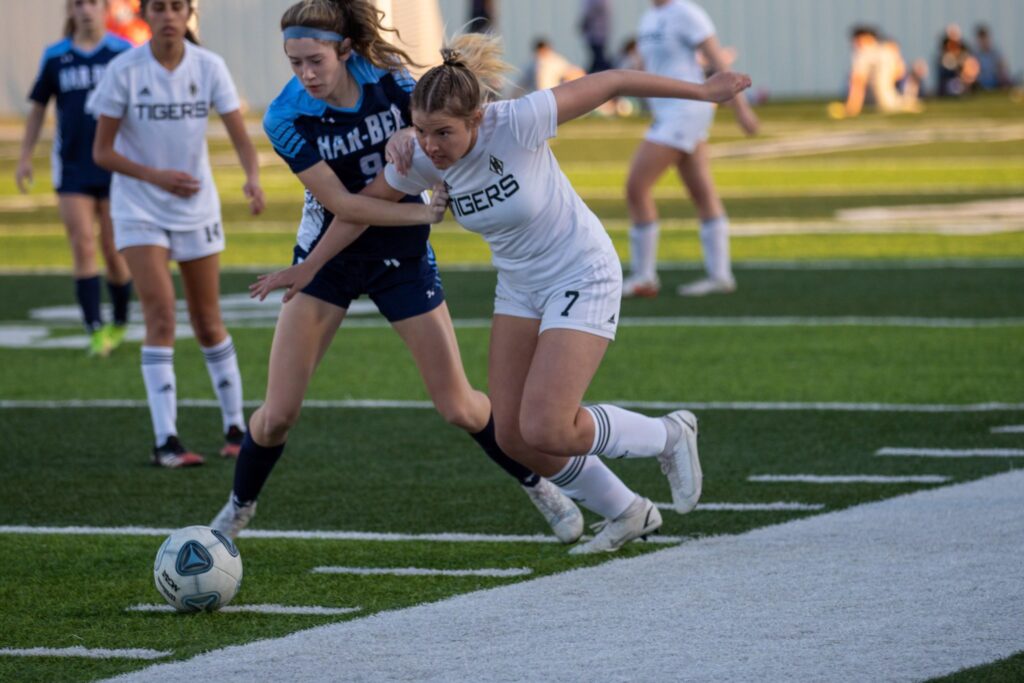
{"x":849,"y":479}
{"x":953,"y":452}
{"x":909,"y":588}
{"x":1008,"y":429}
{"x":749,"y":507}
{"x":387,"y":404}
{"x":453,"y":537}
{"x":419,"y":571}
{"x":88,"y":653}
{"x":311,"y":610}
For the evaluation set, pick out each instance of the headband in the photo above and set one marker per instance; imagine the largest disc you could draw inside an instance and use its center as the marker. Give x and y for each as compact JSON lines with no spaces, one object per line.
{"x":315,"y":33}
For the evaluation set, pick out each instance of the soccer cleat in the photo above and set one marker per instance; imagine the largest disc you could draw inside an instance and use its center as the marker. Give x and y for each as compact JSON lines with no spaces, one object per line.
{"x":232,"y":518}
{"x":560,"y":512}
{"x":708,"y":285}
{"x":173,"y":455}
{"x":232,"y":442}
{"x":115,"y":334}
{"x":680,"y":462}
{"x":99,"y":343}
{"x":634,"y":286}
{"x":639,"y":520}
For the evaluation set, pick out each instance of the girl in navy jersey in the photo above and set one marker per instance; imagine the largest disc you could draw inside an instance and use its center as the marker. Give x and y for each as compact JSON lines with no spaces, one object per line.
{"x":559,"y":278}
{"x":153,"y":105}
{"x":330,"y":124}
{"x":69,"y":71}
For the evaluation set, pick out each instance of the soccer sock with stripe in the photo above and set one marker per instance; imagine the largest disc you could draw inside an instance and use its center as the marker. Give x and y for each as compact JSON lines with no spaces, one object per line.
{"x":487,"y":441}
{"x":620,"y":433}
{"x":87,"y":291}
{"x":255,"y":462}
{"x":158,"y":376}
{"x":120,"y":296}
{"x":589,"y":482}
{"x":222,"y":364}
{"x":714,"y":241}
{"x":643,"y":250}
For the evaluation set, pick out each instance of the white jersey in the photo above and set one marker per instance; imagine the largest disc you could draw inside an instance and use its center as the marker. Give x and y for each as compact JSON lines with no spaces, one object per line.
{"x":510,"y":189}
{"x":667,"y":38}
{"x":163,"y":125}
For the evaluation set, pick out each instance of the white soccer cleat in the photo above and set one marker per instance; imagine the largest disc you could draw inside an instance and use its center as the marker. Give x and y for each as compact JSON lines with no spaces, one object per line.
{"x":634,"y":286}
{"x":708,"y":285}
{"x":560,"y":512}
{"x":233,"y":518}
{"x":639,"y":520}
{"x":680,"y":462}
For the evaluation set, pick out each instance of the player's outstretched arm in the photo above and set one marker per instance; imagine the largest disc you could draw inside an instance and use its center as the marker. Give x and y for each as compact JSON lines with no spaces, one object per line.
{"x":235,"y":125}
{"x":23,"y":175}
{"x":582,"y":96}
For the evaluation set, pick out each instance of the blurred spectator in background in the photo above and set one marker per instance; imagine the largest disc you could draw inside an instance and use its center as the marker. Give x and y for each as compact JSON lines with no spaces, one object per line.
{"x":548,"y":69}
{"x":993,"y":73}
{"x":957,"y":68}
{"x":629,"y":56}
{"x":124,"y":21}
{"x":481,"y":15}
{"x":877,"y":68}
{"x":595,"y":27}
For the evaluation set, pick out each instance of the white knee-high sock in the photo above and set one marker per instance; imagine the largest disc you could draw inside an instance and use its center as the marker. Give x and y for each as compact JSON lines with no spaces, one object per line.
{"x":589,"y":482}
{"x":620,"y":433}
{"x":643,"y":250}
{"x":222,"y":364}
{"x":161,"y":390}
{"x":714,"y":241}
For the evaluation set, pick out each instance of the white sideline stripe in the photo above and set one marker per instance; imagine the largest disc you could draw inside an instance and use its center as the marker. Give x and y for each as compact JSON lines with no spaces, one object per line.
{"x":954,"y":452}
{"x":747,"y":507}
{"x":850,"y":479}
{"x":418,"y":571}
{"x":643,"y":405}
{"x":79,"y":651}
{"x":1008,"y":429}
{"x":908,"y":588}
{"x":258,"y":609}
{"x":308,"y":535}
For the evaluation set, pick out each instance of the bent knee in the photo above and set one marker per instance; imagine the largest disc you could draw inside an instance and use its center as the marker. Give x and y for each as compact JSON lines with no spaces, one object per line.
{"x":274,"y":423}
{"x":545,"y":434}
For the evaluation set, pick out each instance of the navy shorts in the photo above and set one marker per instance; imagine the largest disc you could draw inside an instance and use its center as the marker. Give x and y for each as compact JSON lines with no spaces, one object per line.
{"x":74,"y":186}
{"x":401,"y":288}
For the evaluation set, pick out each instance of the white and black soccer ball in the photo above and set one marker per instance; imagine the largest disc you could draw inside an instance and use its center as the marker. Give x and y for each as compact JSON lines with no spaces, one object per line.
{"x":197,"y":569}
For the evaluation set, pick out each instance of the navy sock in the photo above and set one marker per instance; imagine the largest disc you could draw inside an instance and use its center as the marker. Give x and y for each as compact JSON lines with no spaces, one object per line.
{"x":87,"y":291}
{"x":524,"y":475}
{"x":253,"y":467}
{"x":120,"y":295}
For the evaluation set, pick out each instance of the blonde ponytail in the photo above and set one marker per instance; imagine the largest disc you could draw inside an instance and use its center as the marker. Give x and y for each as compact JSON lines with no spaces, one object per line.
{"x":472,"y":72}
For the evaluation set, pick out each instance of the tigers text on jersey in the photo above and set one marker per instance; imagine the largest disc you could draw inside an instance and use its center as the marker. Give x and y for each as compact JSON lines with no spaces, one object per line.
{"x":164,"y":116}
{"x":510,"y":189}
{"x":305,"y":131}
{"x":70,"y":74}
{"x":668,"y":37}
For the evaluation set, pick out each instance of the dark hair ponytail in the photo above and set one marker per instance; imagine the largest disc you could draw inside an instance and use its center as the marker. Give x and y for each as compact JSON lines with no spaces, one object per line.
{"x":69,"y":27}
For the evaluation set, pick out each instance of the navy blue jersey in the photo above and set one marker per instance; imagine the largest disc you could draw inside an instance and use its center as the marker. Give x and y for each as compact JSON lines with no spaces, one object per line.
{"x":306,"y":131}
{"x":69,"y":74}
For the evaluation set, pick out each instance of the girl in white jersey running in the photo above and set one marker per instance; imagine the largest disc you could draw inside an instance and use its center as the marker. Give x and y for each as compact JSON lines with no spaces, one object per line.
{"x":153,"y":105}
{"x":670,"y":37}
{"x":559,"y":279}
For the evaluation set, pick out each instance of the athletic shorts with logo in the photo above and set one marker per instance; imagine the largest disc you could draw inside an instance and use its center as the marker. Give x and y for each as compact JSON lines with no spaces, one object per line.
{"x":400,"y":288}
{"x":184,"y":245}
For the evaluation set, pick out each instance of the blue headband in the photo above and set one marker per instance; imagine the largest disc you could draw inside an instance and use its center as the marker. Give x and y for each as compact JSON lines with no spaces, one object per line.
{"x":315,"y":33}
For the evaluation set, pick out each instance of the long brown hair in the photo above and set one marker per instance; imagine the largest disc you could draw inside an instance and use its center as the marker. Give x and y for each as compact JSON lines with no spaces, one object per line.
{"x":189,"y":35}
{"x":358,"y":20}
{"x":473,"y":71}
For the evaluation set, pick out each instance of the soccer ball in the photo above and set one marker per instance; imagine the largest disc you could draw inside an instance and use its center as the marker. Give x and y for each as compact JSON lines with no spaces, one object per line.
{"x":197,"y":569}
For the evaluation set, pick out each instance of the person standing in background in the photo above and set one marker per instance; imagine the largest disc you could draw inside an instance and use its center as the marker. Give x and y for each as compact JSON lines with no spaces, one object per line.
{"x":481,"y":16}
{"x":595,"y":27}
{"x":993,"y":74}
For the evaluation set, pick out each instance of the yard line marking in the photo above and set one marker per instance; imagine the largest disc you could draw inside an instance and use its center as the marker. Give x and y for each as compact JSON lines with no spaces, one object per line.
{"x":850,"y":479}
{"x":313,"y":610}
{"x":1008,"y":429}
{"x":454,"y":537}
{"x":954,"y":452}
{"x":79,"y":651}
{"x":388,"y":404}
{"x":418,"y":571}
{"x":807,"y":594}
{"x":748,"y":507}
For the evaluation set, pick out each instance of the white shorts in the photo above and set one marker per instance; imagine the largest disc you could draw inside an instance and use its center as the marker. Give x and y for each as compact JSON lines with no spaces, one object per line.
{"x":681,"y":125}
{"x":184,"y":245}
{"x":587,"y":301}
